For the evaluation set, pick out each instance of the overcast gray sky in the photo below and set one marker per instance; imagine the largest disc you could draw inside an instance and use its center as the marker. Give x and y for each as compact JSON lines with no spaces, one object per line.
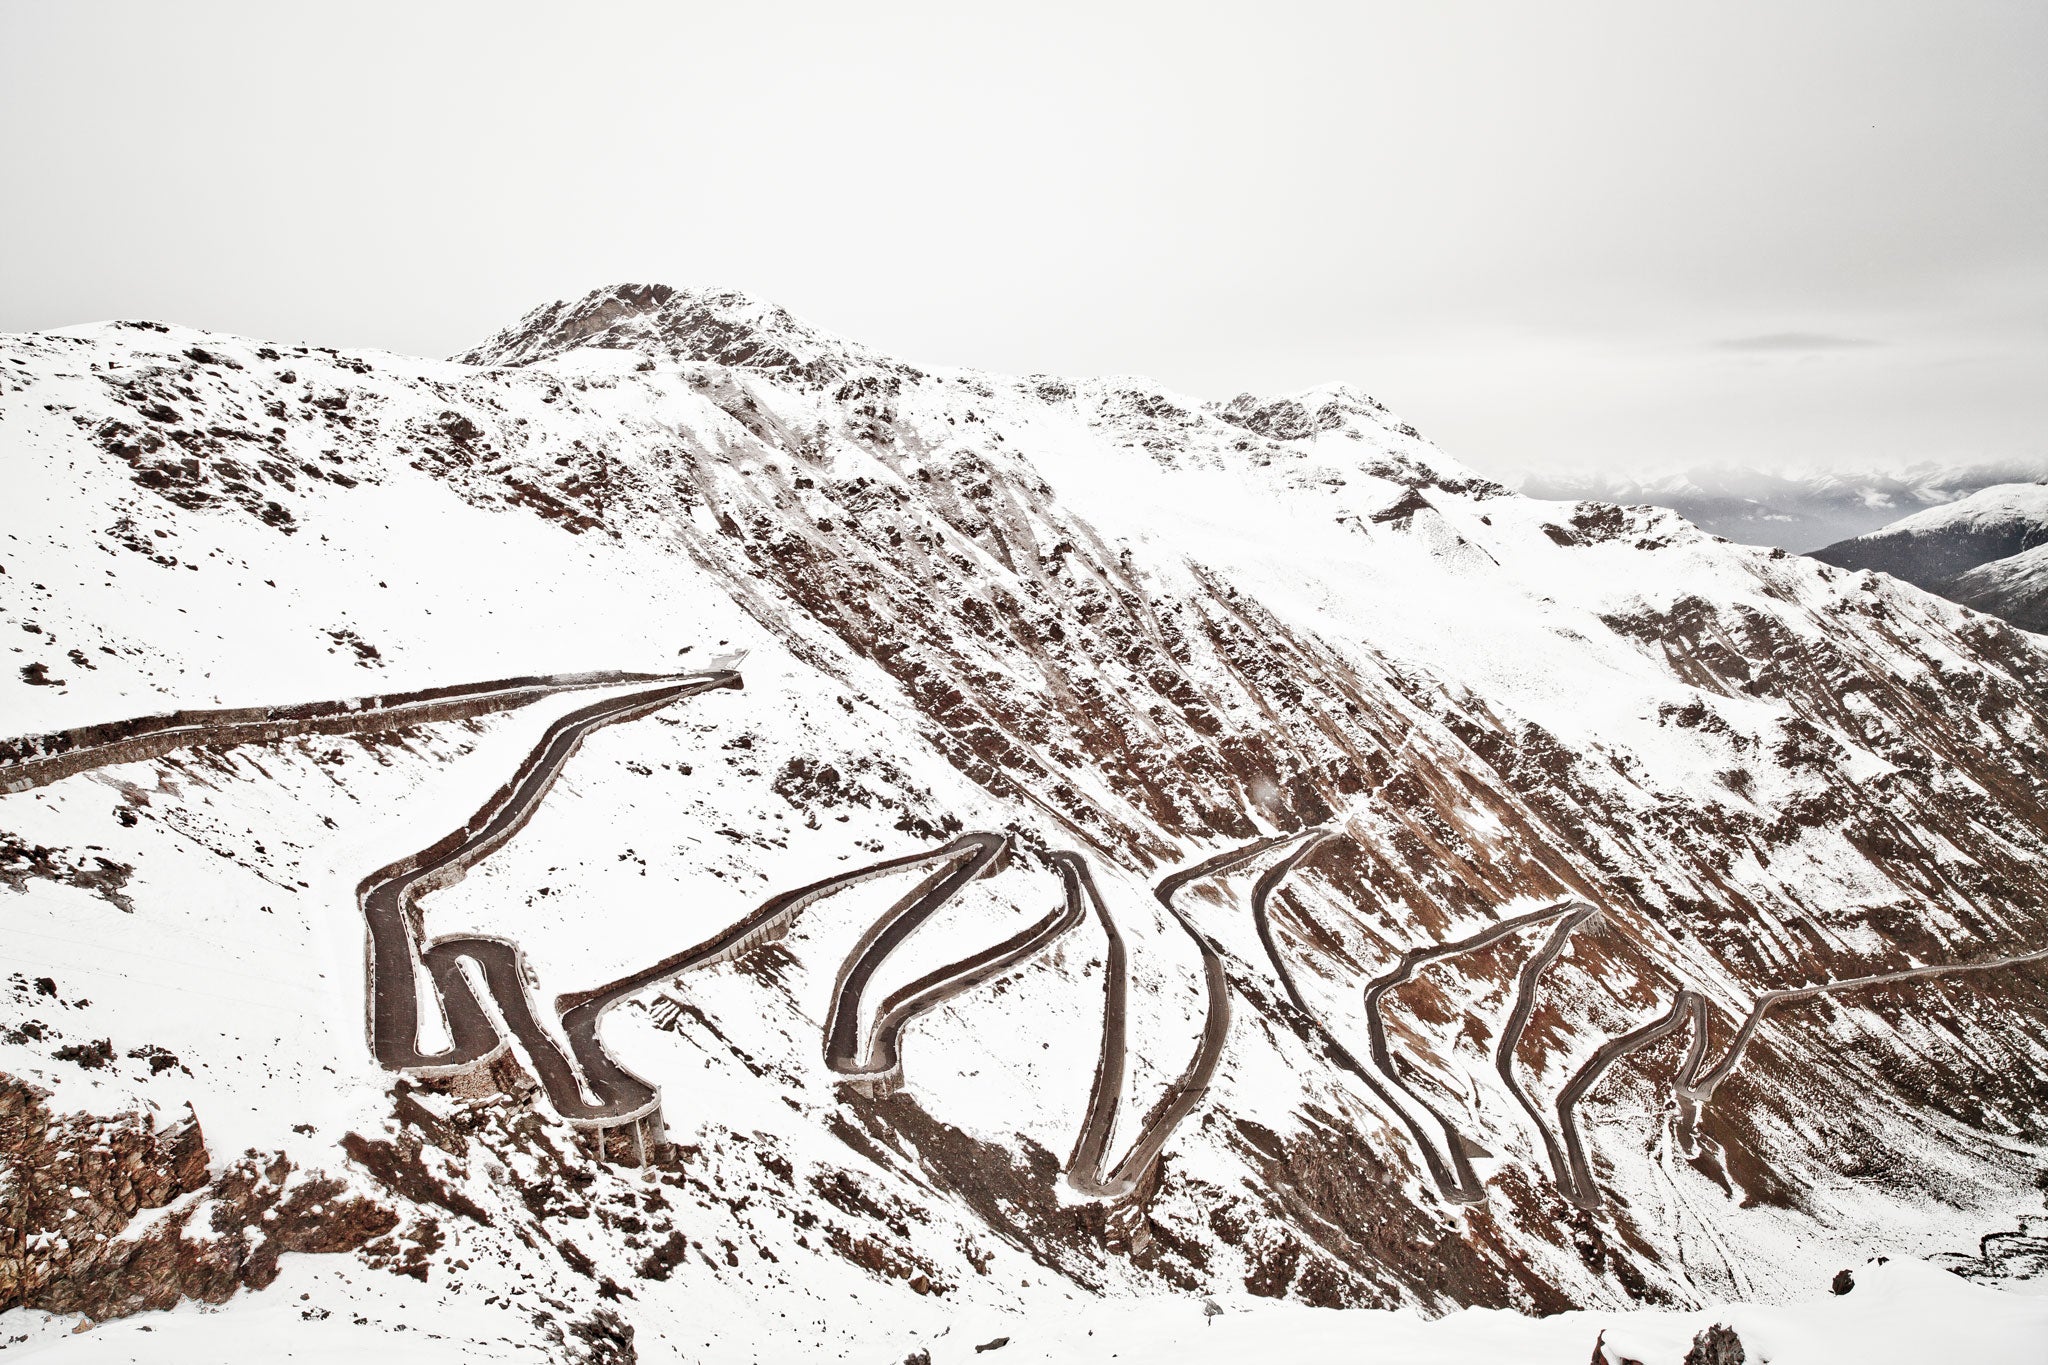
{"x":1635,"y":234}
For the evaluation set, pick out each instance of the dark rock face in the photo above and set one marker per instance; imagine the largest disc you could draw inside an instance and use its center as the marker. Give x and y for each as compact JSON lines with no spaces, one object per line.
{"x":1606,"y":1355}
{"x":603,"y":1338}
{"x":1717,"y":1345}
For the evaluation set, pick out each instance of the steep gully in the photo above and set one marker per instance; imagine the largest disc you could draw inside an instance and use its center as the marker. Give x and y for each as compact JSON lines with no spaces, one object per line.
{"x":589,"y":1088}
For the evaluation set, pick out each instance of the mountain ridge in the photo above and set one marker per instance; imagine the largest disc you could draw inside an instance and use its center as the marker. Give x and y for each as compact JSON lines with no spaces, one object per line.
{"x":1979,"y":550}
{"x":1792,"y":510}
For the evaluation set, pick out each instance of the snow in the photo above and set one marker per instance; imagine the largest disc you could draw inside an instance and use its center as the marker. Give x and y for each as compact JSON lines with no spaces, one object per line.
{"x":1900,"y":1313}
{"x":1986,"y":509}
{"x":244,"y":954}
{"x":2015,"y":587}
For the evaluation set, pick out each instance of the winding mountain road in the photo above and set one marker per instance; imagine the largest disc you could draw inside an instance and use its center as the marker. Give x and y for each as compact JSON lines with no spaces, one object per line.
{"x":592,"y":1089}
{"x":1085,"y":1168}
{"x":1700,"y":1088}
{"x":38,"y":760}
{"x":1694,"y":1088}
{"x":1336,"y":1050}
{"x":881,"y":1063}
{"x":589,"y":1088}
{"x":1518,"y":1020}
{"x":1574,"y":1174}
{"x":876,"y":1056}
{"x":1459,"y":1183}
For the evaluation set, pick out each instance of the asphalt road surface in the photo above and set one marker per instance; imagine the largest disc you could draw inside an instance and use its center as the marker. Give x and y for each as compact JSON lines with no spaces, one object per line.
{"x":1085,"y":1168}
{"x":599,"y":1091}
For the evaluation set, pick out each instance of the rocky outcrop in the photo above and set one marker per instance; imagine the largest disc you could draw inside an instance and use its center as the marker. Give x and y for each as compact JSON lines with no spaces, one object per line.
{"x":79,"y":1184}
{"x":723,"y":326}
{"x":1716,"y":1345}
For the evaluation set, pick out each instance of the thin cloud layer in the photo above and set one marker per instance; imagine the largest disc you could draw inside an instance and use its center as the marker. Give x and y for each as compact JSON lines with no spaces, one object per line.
{"x":1798,"y":343}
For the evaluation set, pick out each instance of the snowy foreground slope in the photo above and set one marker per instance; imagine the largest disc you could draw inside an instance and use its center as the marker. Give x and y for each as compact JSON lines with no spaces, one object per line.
{"x":1659,"y":777}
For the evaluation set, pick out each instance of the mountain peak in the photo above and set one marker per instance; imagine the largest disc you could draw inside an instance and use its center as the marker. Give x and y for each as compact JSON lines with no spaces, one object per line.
{"x":1938,"y":545}
{"x":715,"y":323}
{"x":1297,"y":416}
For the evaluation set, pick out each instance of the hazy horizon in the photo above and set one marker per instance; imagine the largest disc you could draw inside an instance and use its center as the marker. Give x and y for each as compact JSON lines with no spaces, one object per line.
{"x":1592,"y":237}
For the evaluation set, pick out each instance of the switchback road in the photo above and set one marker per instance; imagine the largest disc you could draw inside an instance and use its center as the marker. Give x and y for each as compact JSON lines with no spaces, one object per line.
{"x":1693,"y":1087}
{"x":1459,"y":1183}
{"x":1518,"y":1020}
{"x":1085,"y":1168}
{"x":599,"y":1092}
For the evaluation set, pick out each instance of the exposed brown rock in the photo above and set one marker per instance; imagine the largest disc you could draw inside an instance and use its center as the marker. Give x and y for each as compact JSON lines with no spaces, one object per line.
{"x":80,"y":1180}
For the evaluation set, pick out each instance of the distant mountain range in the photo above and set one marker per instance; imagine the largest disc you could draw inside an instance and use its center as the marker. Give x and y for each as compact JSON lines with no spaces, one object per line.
{"x":1791,"y":511}
{"x":1988,"y":551}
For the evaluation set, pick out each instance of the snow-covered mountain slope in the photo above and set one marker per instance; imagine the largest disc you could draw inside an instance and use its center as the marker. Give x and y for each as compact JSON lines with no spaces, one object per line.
{"x":1933,"y":548}
{"x":1984,"y":551}
{"x":1132,"y":632}
{"x":1792,"y":509}
{"x":2015,"y":588}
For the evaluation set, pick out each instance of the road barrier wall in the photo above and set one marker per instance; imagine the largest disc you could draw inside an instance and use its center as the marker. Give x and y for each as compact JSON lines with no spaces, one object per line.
{"x":37,"y":760}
